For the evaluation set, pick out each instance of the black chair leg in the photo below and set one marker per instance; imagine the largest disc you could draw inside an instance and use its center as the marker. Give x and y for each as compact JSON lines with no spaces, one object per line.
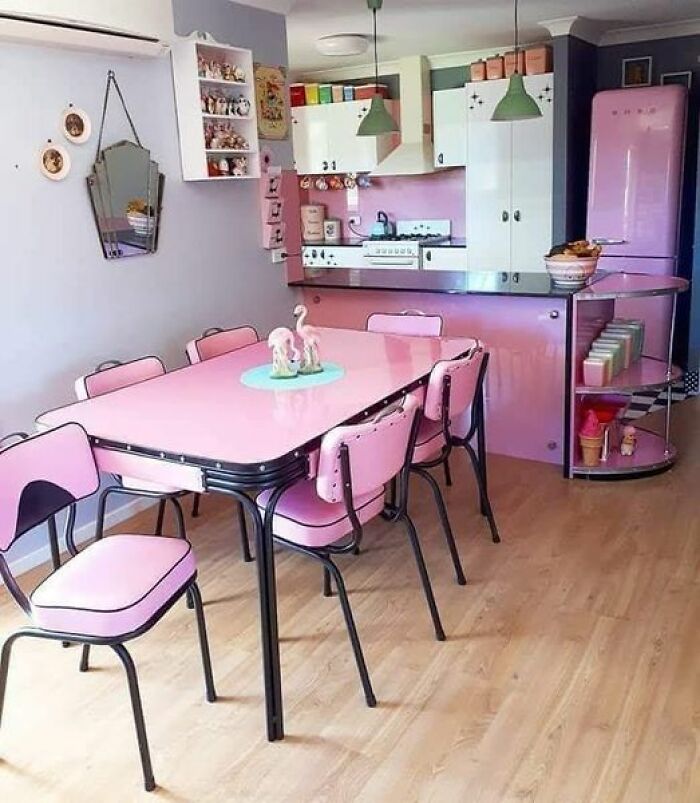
{"x":195,"y":505}
{"x":243,"y":529}
{"x":483,"y":494}
{"x":445,"y":521}
{"x":330,"y":567}
{"x":132,"y":678}
{"x":85,"y":658}
{"x":161,"y":517}
{"x":448,"y":472}
{"x":5,"y":668}
{"x":327,"y":590}
{"x":203,"y":643}
{"x":425,"y":579}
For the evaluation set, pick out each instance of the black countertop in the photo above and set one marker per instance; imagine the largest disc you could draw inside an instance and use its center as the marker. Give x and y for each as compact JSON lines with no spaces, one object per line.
{"x":449,"y":282}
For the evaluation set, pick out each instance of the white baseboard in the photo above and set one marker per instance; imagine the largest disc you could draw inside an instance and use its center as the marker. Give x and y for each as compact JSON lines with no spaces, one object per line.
{"x":82,"y":534}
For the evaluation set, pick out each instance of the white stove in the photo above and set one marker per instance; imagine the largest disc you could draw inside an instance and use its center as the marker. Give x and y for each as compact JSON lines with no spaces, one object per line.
{"x":403,"y":250}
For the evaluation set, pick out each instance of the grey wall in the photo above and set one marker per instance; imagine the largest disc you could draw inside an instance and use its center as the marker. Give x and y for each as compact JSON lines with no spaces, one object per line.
{"x":64,"y":308}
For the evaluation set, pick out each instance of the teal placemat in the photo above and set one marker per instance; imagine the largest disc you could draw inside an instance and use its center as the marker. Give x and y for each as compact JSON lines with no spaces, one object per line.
{"x":260,"y":379}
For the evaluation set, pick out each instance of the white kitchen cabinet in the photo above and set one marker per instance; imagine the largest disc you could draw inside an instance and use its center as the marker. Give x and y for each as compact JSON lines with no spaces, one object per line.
{"x":450,"y":258}
{"x":509,"y":180}
{"x":450,"y":127}
{"x":325,"y":139}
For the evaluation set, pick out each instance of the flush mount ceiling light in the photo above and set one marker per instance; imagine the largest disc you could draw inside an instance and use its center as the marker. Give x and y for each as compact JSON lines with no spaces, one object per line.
{"x":377,"y":121}
{"x":516,"y":104}
{"x":342,"y":44}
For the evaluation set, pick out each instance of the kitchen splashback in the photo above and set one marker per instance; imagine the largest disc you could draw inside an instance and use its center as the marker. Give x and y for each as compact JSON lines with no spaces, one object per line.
{"x":438,"y":195}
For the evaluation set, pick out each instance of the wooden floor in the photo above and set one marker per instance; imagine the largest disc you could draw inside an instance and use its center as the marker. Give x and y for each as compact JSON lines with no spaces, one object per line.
{"x":570,"y":674}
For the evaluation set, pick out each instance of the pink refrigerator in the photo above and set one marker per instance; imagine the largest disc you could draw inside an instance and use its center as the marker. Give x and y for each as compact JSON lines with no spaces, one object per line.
{"x":634,"y":192}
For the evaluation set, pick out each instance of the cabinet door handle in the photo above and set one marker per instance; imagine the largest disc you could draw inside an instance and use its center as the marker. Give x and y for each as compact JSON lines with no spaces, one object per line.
{"x":334,"y":163}
{"x":429,"y":256}
{"x":325,"y":165}
{"x":554,"y":314}
{"x":505,"y":217}
{"x":516,"y":216}
{"x":609,"y":241}
{"x":441,"y":158}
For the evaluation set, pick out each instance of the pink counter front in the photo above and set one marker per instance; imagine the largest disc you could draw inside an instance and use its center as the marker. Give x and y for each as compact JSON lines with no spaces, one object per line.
{"x":526,"y":336}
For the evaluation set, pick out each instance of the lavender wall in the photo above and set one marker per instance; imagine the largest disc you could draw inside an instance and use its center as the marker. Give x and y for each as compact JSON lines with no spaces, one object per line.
{"x":65,"y":308}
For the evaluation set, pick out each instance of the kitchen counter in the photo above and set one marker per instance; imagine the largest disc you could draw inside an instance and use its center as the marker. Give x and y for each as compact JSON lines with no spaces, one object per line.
{"x":493,"y":283}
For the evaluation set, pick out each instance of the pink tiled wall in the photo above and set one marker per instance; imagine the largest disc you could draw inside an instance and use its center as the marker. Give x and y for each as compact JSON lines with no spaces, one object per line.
{"x":436,"y":196}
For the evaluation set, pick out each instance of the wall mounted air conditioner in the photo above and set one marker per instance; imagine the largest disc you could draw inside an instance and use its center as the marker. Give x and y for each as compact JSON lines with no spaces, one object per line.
{"x":122,"y":27}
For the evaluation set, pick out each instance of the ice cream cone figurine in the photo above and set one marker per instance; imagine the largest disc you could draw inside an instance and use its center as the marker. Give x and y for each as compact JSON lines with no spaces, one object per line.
{"x":591,"y":437}
{"x":629,"y":441}
{"x":311,"y":339}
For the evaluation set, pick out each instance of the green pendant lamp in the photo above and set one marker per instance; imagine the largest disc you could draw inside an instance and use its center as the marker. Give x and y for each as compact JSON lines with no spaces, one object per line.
{"x":516,"y":104}
{"x":377,"y":121}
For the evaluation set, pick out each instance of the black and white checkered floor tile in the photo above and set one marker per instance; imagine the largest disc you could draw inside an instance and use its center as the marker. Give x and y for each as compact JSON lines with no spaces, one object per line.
{"x":652,"y":400}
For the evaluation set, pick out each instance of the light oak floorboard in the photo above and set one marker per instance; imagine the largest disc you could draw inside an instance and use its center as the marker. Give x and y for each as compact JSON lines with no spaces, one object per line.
{"x":570,"y":674}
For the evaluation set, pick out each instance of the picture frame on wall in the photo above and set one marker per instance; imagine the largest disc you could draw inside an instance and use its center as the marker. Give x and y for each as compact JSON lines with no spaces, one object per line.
{"x":636,"y":71}
{"x":271,"y":101}
{"x":54,"y":161}
{"x":680,"y":78}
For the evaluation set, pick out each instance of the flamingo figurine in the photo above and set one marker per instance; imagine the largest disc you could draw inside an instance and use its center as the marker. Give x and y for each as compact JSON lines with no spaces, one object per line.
{"x":311,"y":338}
{"x":281,"y":341}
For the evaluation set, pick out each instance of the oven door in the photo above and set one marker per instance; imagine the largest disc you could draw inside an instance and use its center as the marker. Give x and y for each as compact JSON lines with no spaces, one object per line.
{"x":391,"y":263}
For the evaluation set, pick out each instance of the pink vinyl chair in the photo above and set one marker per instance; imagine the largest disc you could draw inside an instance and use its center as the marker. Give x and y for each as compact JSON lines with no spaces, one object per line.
{"x":107,"y":594}
{"x":453,"y":414}
{"x":409,"y":322}
{"x":110,"y":376}
{"x":213,"y":343}
{"x":216,"y":341}
{"x":324,"y":516}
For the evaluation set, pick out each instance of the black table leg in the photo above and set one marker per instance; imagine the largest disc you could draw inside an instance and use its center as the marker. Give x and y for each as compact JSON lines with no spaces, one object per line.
{"x":268,"y":620}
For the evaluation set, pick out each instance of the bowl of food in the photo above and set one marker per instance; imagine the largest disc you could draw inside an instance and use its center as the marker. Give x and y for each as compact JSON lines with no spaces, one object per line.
{"x":570,"y":265}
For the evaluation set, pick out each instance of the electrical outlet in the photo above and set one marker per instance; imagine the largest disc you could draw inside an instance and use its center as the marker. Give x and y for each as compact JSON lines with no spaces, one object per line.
{"x":278,"y":255}
{"x":355,"y":220}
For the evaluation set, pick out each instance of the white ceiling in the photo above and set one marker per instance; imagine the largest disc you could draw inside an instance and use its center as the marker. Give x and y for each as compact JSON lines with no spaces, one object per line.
{"x":430,"y":27}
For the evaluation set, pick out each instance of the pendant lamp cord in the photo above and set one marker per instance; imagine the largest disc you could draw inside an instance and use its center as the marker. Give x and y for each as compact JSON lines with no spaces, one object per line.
{"x":112,"y":81}
{"x":376,"y":57}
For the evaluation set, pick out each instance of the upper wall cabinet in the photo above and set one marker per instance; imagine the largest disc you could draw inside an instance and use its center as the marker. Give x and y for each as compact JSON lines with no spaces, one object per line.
{"x":217,"y":123}
{"x":325,"y":139}
{"x":450,"y":127}
{"x":509,"y":179}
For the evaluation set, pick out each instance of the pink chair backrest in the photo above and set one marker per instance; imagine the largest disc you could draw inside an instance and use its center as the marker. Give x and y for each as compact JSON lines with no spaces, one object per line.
{"x":377,"y":450}
{"x":464,"y":380}
{"x":116,"y":376}
{"x":409,"y":322}
{"x":41,"y":476}
{"x":213,"y":343}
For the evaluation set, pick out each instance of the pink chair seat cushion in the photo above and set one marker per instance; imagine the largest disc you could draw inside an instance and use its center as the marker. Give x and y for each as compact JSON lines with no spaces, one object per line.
{"x":429,"y":442}
{"x":302,"y":517}
{"x":134,"y":484}
{"x":114,"y":586}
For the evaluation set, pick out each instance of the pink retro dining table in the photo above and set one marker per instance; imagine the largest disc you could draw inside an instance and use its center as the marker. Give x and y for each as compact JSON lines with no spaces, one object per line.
{"x":201,"y":429}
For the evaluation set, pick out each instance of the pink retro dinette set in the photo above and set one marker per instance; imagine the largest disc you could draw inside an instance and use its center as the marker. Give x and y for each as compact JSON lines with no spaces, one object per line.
{"x":308,"y":467}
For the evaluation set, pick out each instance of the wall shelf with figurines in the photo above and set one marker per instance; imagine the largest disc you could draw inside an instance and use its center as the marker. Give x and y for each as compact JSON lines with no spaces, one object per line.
{"x":217,"y":121}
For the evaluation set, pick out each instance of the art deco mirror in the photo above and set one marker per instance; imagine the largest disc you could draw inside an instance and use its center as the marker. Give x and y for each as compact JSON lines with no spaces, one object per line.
{"x":126,"y":191}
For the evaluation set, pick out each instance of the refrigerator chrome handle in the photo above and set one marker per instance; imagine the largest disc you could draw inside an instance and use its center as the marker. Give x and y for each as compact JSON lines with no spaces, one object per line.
{"x":608,"y":241}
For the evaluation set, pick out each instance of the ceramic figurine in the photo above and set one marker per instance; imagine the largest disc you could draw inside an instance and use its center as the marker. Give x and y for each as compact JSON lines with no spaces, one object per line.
{"x":221,"y":105}
{"x":239,"y":166}
{"x":201,"y":67}
{"x":311,"y":338}
{"x":239,"y":74}
{"x":224,"y":168}
{"x":242,"y":106}
{"x":227,"y":72}
{"x":629,"y":441}
{"x":216,"y":70}
{"x":284,"y":352}
{"x":208,"y":70}
{"x":211,"y":104}
{"x":204,"y":103}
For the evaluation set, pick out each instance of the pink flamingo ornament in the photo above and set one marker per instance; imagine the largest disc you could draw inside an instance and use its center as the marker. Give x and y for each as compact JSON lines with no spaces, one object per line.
{"x":284,"y":352}
{"x":311,"y":338}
